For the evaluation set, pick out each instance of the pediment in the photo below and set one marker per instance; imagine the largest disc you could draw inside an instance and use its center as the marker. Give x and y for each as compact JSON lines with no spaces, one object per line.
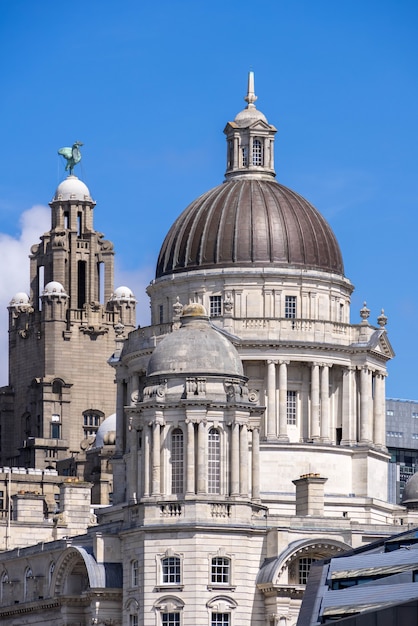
{"x":383,"y":346}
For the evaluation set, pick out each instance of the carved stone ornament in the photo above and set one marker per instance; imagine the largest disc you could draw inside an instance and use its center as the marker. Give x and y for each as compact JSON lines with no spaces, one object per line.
{"x":177,"y":307}
{"x":253,"y":396}
{"x":59,"y":239}
{"x":228,"y":303}
{"x":119,"y":329}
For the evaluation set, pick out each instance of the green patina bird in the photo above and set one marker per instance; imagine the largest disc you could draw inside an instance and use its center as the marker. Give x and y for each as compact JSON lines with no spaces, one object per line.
{"x":72,"y":155}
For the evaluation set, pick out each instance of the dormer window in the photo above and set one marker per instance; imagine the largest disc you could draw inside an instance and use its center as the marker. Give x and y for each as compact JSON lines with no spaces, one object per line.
{"x":257,"y":152}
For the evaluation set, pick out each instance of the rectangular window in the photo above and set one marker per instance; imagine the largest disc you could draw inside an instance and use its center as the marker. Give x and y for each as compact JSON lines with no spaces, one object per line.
{"x":291,"y":408}
{"x":389,"y":412}
{"x":1,"y":500}
{"x":177,"y":461}
{"x":214,"y":461}
{"x":160,"y":314}
{"x":215,"y":306}
{"x":290,"y":307}
{"x":415,"y":415}
{"x":220,"y":570}
{"x":220,"y":619}
{"x":55,"y":431}
{"x":91,"y":423}
{"x":304,"y":568}
{"x":170,"y":619}
{"x":171,"y":570}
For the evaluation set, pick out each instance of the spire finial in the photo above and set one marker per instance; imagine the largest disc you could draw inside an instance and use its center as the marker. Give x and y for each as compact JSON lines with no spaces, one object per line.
{"x":250,"y":97}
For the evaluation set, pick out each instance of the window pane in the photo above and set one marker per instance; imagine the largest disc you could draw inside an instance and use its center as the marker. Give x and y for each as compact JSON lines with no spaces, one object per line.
{"x":291,"y":408}
{"x":214,"y":461}
{"x":215,"y":306}
{"x":304,"y":567}
{"x":170,"y":619}
{"x":177,"y":461}
{"x":220,"y":619}
{"x":290,"y":307}
{"x":220,"y":570}
{"x":257,"y":152}
{"x":171,"y":570}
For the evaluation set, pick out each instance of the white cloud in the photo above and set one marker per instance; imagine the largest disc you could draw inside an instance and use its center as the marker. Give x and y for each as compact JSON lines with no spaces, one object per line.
{"x":14,"y":269}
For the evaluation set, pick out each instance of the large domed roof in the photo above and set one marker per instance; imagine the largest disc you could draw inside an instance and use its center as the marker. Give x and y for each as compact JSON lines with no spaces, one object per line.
{"x":196,"y":348}
{"x":249,"y":221}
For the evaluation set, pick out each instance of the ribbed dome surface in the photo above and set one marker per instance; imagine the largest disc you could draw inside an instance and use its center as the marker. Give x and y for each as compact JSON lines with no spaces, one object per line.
{"x":250,"y":222}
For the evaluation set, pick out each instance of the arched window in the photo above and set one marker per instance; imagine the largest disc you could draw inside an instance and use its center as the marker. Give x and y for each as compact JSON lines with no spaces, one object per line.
{"x":257,"y":152}
{"x":132,"y":610}
{"x":4,"y":583}
{"x":177,"y":461}
{"x":169,"y":611}
{"x":27,"y":582}
{"x":221,"y":611}
{"x":134,"y":573}
{"x":50,"y":571}
{"x":214,"y":461}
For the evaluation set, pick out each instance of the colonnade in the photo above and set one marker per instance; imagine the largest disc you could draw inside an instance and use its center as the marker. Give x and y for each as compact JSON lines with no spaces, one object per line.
{"x":235,"y":459}
{"x":358,"y":409}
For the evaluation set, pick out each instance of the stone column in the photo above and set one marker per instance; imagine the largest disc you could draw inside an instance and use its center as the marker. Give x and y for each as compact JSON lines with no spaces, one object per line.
{"x":349,"y":420}
{"x":120,"y":413}
{"x":255,"y":465}
{"x":243,"y":461}
{"x":315,"y":402}
{"x":365,"y":402}
{"x":379,"y":411}
{"x":190,"y":459}
{"x":201,"y":458}
{"x":283,"y":401}
{"x":271,"y":400}
{"x":234,"y":487}
{"x":133,"y":477}
{"x":325,"y":423}
{"x":156,"y":459}
{"x":146,"y":461}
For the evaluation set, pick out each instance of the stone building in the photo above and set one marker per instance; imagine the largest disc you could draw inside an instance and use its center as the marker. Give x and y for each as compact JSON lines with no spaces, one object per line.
{"x":250,"y":423}
{"x":61,"y":335}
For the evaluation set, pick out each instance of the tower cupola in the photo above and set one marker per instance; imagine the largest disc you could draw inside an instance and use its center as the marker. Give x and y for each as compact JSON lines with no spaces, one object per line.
{"x":250,"y":141}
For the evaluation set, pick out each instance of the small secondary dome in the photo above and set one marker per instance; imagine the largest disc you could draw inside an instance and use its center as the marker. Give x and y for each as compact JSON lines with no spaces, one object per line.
{"x":106,"y":433}
{"x":123,"y":293}
{"x":72,"y":188}
{"x":54,"y":288}
{"x":19,"y":299}
{"x":196,"y":348}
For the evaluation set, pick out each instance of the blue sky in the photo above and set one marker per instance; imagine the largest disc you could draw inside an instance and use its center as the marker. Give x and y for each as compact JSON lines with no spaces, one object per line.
{"x":149,"y":86}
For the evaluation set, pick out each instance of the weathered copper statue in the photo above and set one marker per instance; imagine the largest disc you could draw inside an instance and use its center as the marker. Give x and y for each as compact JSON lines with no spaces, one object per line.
{"x":73,"y":156}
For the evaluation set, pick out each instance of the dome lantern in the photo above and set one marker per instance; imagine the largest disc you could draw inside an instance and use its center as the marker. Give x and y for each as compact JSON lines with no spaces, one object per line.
{"x":250,"y":141}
